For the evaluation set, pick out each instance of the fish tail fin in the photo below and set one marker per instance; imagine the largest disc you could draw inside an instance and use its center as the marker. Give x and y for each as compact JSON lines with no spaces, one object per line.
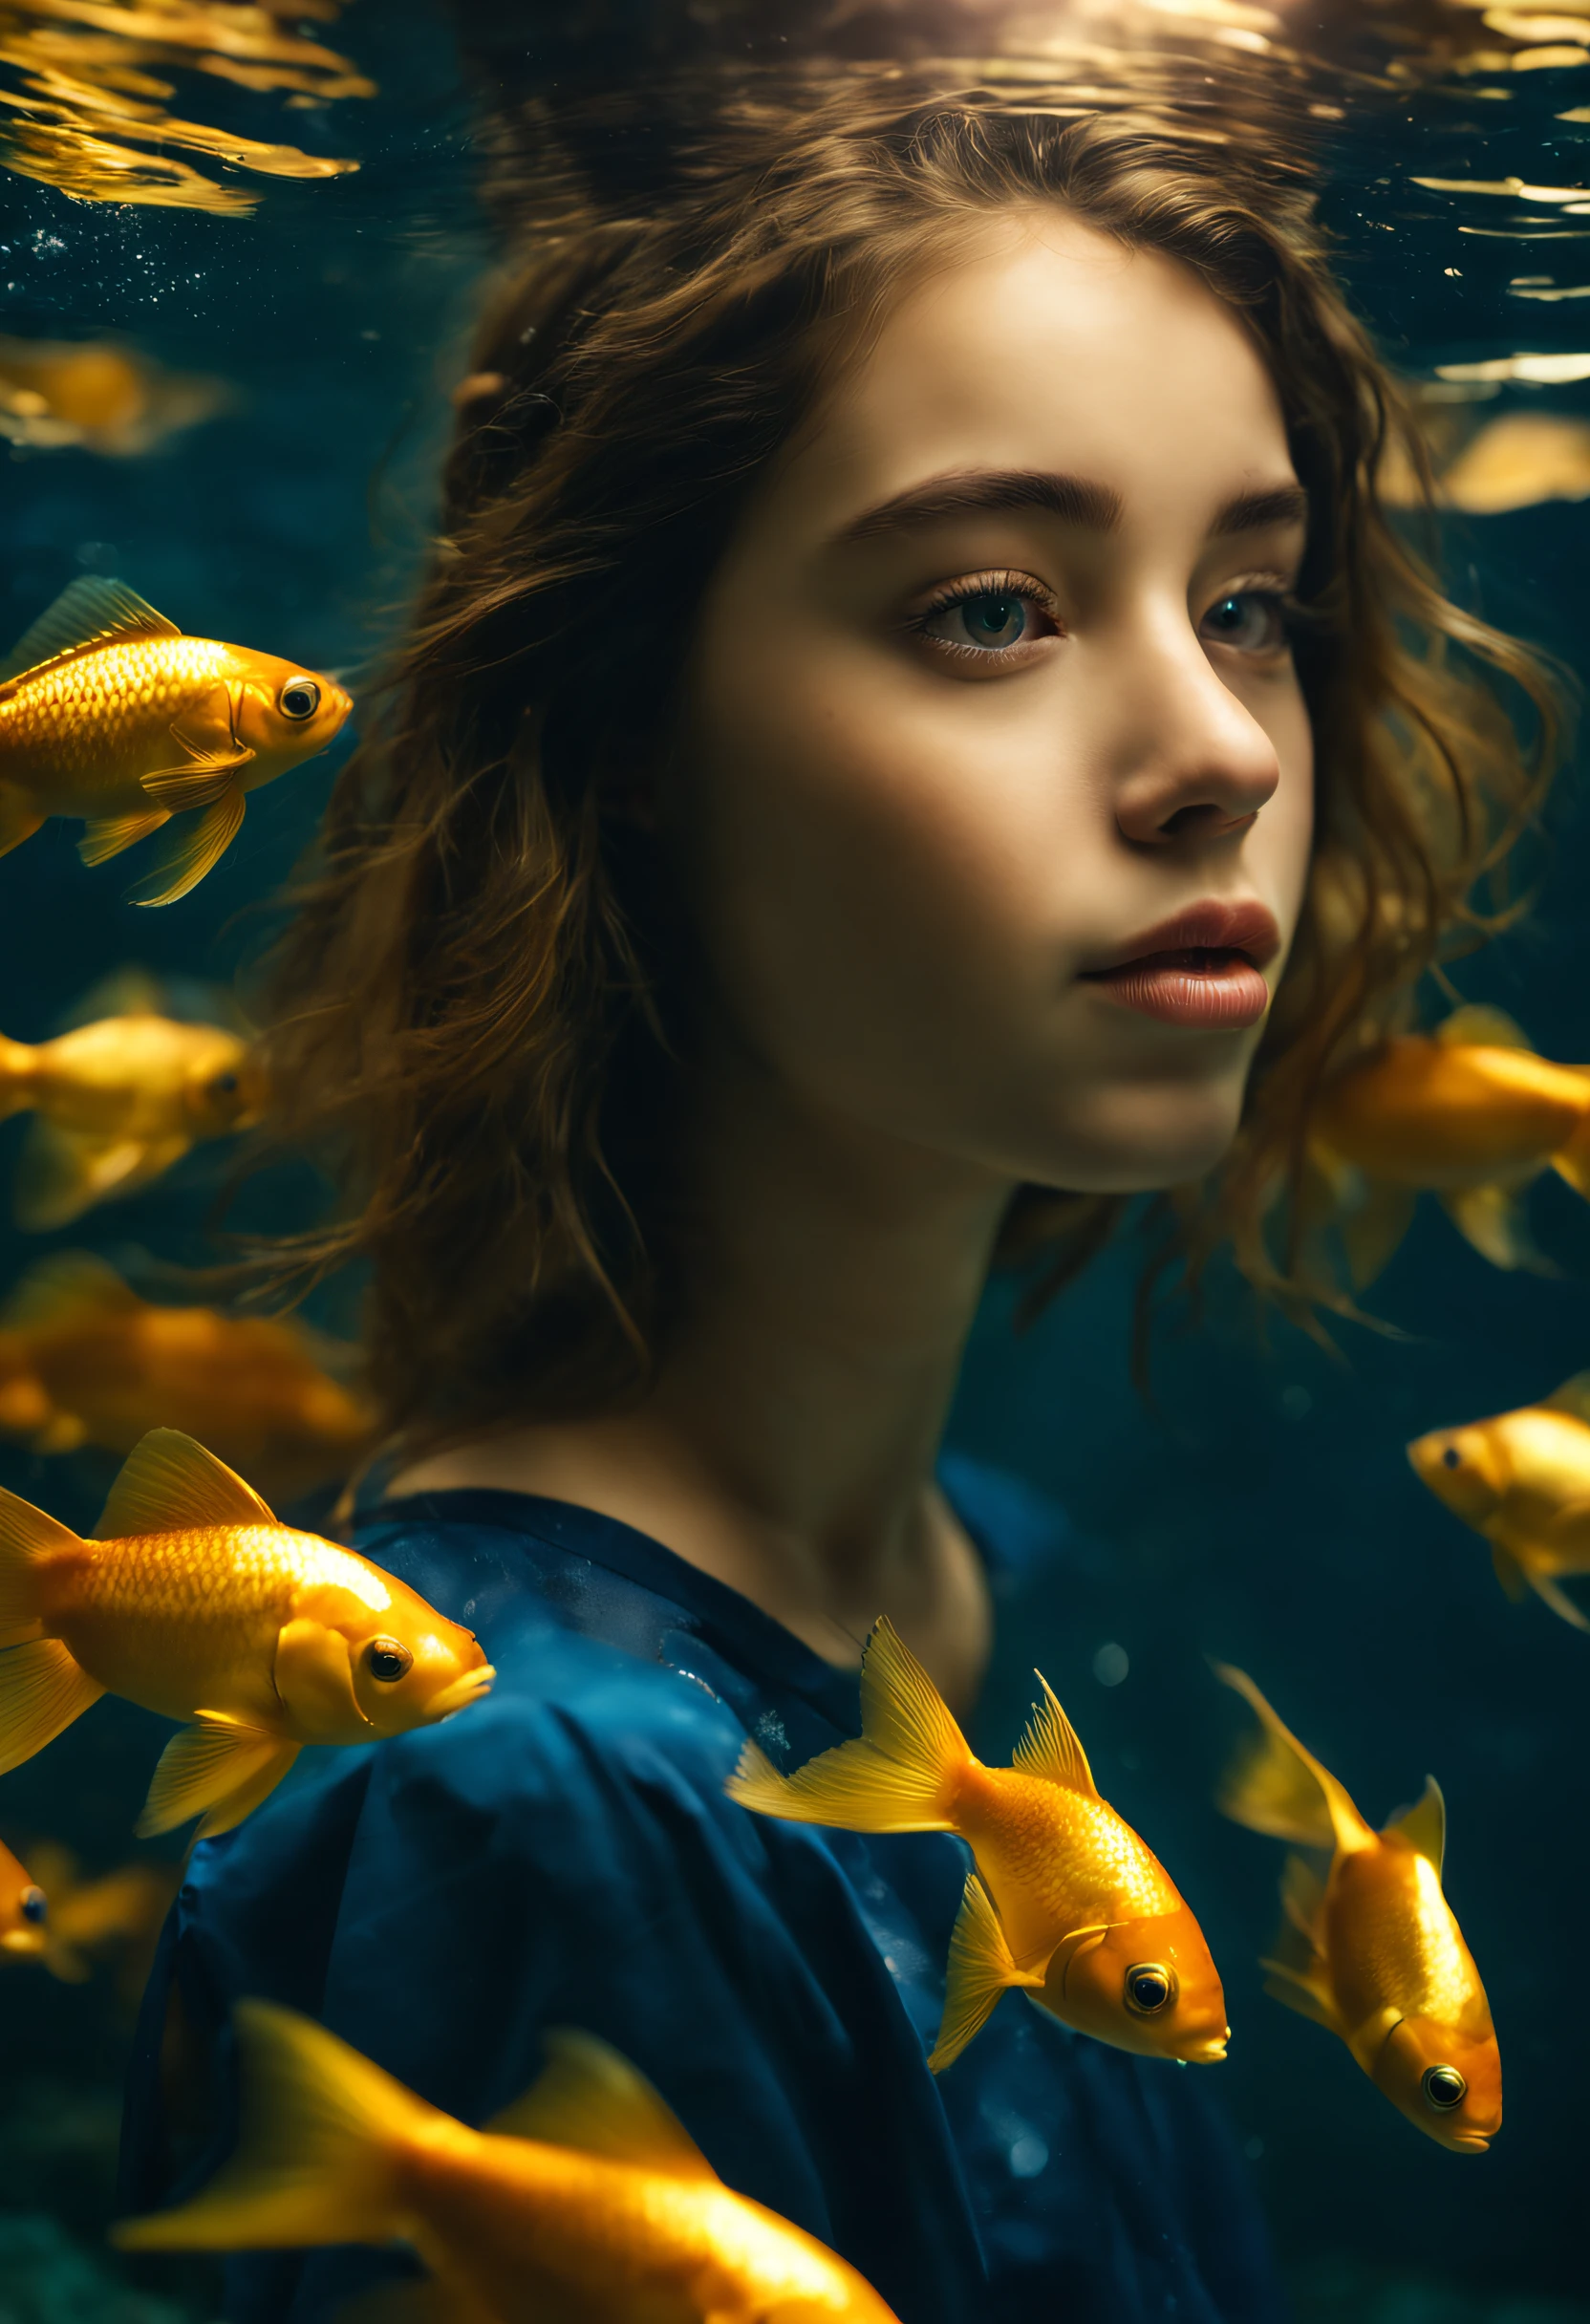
{"x":1274,"y":1786}
{"x":28,"y":1538}
{"x":1573,"y":1160}
{"x":318,"y":2160}
{"x":902,"y":1772}
{"x":19,"y":818}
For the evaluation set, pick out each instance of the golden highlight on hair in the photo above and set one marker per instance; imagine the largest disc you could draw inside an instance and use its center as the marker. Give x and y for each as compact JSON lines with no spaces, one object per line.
{"x":481,"y":1010}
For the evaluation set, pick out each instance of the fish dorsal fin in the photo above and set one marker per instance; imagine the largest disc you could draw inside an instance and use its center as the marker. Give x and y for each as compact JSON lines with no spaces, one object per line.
{"x":130,"y":991}
{"x":591,"y":2098}
{"x":1051,"y":1747}
{"x":1573,"y":1396}
{"x":88,"y":612}
{"x":69,"y":1283}
{"x":1424,"y":1826}
{"x":1475,"y":1026}
{"x":170,"y":1484}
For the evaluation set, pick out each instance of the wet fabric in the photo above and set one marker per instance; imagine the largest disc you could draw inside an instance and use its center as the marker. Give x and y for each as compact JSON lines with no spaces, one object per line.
{"x":564,"y":1855}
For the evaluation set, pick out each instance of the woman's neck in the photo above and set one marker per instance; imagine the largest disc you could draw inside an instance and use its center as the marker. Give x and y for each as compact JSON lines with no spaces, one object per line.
{"x":788,"y":1445}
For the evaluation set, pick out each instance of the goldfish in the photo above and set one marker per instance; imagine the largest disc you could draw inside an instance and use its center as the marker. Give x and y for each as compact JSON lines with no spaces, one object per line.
{"x":1066,"y":1903}
{"x":24,"y":1909}
{"x":589,"y":2198}
{"x":96,"y":395}
{"x":1371,"y":1951}
{"x":192,"y":1600}
{"x":84,"y":1361}
{"x":1470,"y":1115}
{"x":1522,"y":1480}
{"x":119,"y":1914}
{"x":109,"y":713}
{"x":117,"y":1100}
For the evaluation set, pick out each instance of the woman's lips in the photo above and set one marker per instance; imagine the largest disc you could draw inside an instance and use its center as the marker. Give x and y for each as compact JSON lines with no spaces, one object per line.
{"x":1201,"y":969}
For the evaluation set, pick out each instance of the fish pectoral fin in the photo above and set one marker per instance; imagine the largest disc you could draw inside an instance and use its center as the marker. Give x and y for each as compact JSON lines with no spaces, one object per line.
{"x":1509,"y":1571}
{"x":1296,"y":1990}
{"x":61,"y":1432}
{"x":1477,"y":1027}
{"x":314,"y":1675}
{"x":1551,"y":1593}
{"x":981,"y":1969}
{"x":1424,"y":1826}
{"x":206,"y":1763}
{"x":195,"y":850}
{"x":1372,"y":1230}
{"x":1303,"y":1897}
{"x":110,"y":834}
{"x":19,"y":818}
{"x":170,"y":1484}
{"x":589,"y":2098}
{"x":204,"y":776}
{"x":230,"y":1809}
{"x":61,"y":1173}
{"x":42,"y":1690}
{"x":88,"y":612}
{"x":1052,"y":1749}
{"x":1492,"y":1219}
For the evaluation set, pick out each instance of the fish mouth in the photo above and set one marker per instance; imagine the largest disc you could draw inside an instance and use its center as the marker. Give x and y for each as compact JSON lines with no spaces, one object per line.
{"x":22,"y":1941}
{"x":461,"y":1691}
{"x":1470,"y":2143}
{"x":1210,"y":2053}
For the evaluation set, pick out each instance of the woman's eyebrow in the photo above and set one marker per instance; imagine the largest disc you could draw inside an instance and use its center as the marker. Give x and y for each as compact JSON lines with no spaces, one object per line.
{"x":1077,"y":500}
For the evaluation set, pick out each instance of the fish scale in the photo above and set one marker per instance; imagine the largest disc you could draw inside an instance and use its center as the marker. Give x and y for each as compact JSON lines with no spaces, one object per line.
{"x":87,"y":717}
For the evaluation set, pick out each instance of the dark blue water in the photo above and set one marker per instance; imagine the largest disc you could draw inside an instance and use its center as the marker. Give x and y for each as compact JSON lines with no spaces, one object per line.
{"x":1261,"y":1509}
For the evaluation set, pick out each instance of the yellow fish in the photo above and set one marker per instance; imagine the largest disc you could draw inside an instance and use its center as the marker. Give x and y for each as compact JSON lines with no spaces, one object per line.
{"x":1066,"y":1902}
{"x":1522,"y":1480}
{"x":93,"y":393}
{"x":84,"y":1361}
{"x":24,"y":1912}
{"x":1372,"y":1951}
{"x":108,"y":712}
{"x":192,"y":1600}
{"x":587,"y":2200}
{"x":1470,"y":1116}
{"x":117,"y":1100}
{"x":116,"y":1915}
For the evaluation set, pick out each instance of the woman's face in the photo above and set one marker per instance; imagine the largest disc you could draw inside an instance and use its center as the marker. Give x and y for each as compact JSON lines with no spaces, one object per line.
{"x":995,"y":794}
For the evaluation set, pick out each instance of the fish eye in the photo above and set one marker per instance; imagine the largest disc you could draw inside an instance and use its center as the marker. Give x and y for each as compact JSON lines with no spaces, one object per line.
{"x":388,"y":1659}
{"x":299,"y":698}
{"x":225,"y":1084}
{"x":35,"y":1905}
{"x":1444,"y":2088}
{"x":1452,"y":1458}
{"x":1149,"y":1988}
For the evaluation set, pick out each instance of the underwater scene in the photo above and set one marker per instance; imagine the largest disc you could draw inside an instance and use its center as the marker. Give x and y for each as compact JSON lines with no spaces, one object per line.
{"x":243,"y":253}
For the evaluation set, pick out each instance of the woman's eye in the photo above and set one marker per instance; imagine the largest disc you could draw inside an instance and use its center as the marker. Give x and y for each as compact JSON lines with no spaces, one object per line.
{"x":1252,"y":620}
{"x":988,"y":621}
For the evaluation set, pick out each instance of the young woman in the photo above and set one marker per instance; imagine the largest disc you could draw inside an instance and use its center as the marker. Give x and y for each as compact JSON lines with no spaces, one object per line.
{"x":917,"y":729}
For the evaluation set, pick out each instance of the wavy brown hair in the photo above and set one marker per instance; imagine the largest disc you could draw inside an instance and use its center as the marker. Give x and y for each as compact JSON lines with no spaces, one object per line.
{"x":478,"y":1009}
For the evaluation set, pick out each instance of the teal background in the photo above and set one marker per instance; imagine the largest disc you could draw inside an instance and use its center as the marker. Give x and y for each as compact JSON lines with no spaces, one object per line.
{"x":1260,"y":1508}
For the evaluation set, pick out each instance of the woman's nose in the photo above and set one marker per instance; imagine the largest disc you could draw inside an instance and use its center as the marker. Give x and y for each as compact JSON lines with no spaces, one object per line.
{"x":1204,"y":769}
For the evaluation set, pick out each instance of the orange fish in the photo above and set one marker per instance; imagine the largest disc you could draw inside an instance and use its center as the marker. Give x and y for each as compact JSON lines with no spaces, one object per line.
{"x":587,"y":2200}
{"x":1371,"y":1951}
{"x":192,"y":1600}
{"x":1470,"y":1115}
{"x":1522,"y":1480}
{"x":96,"y":394}
{"x":1066,"y":1902}
{"x":108,"y":712}
{"x":84,"y":1361}
{"x":120,"y":1097}
{"x":24,"y":1912}
{"x":117,"y":1915}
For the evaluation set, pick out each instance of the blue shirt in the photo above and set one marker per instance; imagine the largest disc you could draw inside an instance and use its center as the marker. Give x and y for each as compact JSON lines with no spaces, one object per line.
{"x":563,"y":1853}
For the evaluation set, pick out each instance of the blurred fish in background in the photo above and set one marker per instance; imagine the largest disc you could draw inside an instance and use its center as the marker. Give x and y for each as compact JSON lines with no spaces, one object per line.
{"x":112,"y":1917}
{"x":84,"y":1361}
{"x":98,"y":395}
{"x":121,"y":1095}
{"x":1522,"y":1480}
{"x":24,"y":1909}
{"x":1470,"y":1114}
